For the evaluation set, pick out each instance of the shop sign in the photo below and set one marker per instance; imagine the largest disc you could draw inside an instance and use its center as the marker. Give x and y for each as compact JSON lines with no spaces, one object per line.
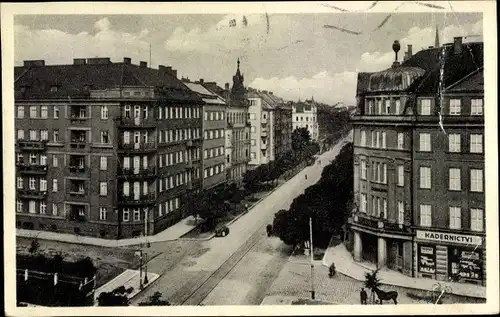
{"x":426,"y":260}
{"x":443,"y":237}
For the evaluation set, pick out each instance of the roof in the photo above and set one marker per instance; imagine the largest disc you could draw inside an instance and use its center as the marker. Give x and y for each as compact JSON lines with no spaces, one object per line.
{"x":438,"y":66}
{"x":207,"y":96}
{"x":473,"y":82}
{"x":76,"y":80}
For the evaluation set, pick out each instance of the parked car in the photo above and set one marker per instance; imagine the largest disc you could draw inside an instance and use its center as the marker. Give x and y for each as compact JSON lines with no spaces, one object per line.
{"x":221,"y":231}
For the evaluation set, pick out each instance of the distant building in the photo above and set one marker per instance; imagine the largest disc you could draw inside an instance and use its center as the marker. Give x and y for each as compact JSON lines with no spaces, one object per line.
{"x":214,"y":131}
{"x":305,"y":115}
{"x":104,"y":149}
{"x":261,"y":117}
{"x":419,"y":165}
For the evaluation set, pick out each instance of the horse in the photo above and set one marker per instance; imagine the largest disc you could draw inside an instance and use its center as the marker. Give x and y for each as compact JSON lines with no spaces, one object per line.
{"x":382,"y":296}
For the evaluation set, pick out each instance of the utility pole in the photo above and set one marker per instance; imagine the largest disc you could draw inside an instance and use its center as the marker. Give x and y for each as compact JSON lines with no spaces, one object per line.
{"x":312,"y":258}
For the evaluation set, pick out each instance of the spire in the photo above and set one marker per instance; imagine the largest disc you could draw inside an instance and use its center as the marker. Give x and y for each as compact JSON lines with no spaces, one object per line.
{"x":238,"y":63}
{"x":436,"y":42}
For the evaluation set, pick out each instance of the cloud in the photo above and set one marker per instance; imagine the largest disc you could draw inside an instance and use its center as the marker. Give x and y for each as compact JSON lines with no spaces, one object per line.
{"x":58,"y":47}
{"x":420,"y":39}
{"x":231,"y":34}
{"x":325,"y":87}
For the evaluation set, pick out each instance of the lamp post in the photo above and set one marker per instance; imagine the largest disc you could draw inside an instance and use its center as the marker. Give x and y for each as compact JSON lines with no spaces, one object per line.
{"x":312,"y":258}
{"x":146,"y":214}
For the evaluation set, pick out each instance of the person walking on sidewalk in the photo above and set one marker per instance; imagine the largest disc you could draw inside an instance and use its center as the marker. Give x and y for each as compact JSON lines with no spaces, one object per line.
{"x":363,"y":296}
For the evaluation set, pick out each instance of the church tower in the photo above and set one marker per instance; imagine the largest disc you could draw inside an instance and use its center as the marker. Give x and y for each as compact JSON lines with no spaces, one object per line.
{"x":238,"y":91}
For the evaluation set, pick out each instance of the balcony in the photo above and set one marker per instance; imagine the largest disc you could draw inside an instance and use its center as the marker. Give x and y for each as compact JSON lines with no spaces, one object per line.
{"x":136,"y":122}
{"x":395,"y":227}
{"x":263,"y":133}
{"x":148,"y":199}
{"x":31,"y":194}
{"x":25,"y":168}
{"x":77,"y":169}
{"x":78,"y":120}
{"x":263,"y":145}
{"x":367,"y":221}
{"x":40,"y":145}
{"x":138,"y":147}
{"x":263,"y":121}
{"x":77,"y":192}
{"x":78,"y":144}
{"x":189,"y":143}
{"x":136,"y":172}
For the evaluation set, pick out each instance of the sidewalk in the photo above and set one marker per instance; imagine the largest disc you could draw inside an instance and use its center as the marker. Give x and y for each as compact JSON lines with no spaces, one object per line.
{"x":129,"y":278}
{"x":345,"y":264}
{"x":169,"y":234}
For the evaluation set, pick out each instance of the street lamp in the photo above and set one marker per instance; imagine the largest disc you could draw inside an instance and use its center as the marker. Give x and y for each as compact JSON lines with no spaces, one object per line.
{"x":312,"y":258}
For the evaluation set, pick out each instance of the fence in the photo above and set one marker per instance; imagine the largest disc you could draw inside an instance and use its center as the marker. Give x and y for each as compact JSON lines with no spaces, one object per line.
{"x":53,"y":289}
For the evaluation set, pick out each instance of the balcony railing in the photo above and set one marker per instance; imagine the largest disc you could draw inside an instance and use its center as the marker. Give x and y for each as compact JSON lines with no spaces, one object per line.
{"x":31,"y":168}
{"x":137,"y":172}
{"x":78,"y":143}
{"x":77,"y":192}
{"x":127,"y":122}
{"x":32,"y":145}
{"x":135,"y":147}
{"x":79,"y":120}
{"x":137,"y":200}
{"x":75,"y":216}
{"x":31,"y":193}
{"x":77,"y":168}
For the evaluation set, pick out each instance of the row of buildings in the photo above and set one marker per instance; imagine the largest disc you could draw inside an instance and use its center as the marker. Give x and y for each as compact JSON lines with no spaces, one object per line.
{"x":117,"y":149}
{"x":419,"y":165}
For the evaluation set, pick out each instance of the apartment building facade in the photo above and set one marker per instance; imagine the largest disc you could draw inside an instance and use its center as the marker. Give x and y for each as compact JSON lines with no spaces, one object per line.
{"x":104,"y":149}
{"x":238,"y":130}
{"x":305,"y":115}
{"x":419,"y":165}
{"x":214,"y":131}
{"x":261,"y":118}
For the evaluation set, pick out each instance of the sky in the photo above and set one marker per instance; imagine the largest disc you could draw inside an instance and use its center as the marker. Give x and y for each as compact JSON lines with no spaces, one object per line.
{"x":293,"y":55}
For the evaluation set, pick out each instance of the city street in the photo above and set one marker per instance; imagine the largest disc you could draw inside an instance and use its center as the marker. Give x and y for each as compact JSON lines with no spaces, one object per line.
{"x":233,"y":270}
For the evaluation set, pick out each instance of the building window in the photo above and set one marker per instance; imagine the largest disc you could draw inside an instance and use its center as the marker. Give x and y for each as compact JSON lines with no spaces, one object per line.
{"x":33,"y":135}
{"x":455,"y":218}
{"x":401,"y":140}
{"x":32,"y":183}
{"x":104,"y":112}
{"x":363,"y":138}
{"x":54,"y":209}
{"x":55,"y":161}
{"x":137,"y":214}
{"x":33,"y":112}
{"x":54,"y":185}
{"x":476,"y":143}
{"x":20,"y":183}
{"x":20,"y":134}
{"x":387,"y":106}
{"x":43,"y":185}
{"x":104,"y":137}
{"x":401,"y":212}
{"x":384,"y":173}
{"x":425,"y":177}
{"x":384,"y":139}
{"x":476,"y":219}
{"x":19,"y":206}
{"x":425,"y":215}
{"x":398,"y":107}
{"x":252,"y":155}
{"x":476,"y":107}
{"x":378,"y":140}
{"x":454,"y":143}
{"x":44,"y":112}
{"x":20,"y":112}
{"x":455,"y":107}
{"x":104,"y":189}
{"x":425,"y":109}
{"x":55,"y":135}
{"x":476,"y":180}
{"x":373,"y":139}
{"x":103,"y":213}
{"x":32,"y":207}
{"x":126,"y":214}
{"x":56,"y":112}
{"x":363,"y":169}
{"x":454,"y":179}
{"x":104,"y":163}
{"x":364,"y":203}
{"x":44,"y":135}
{"x":425,"y":142}
{"x":19,"y":158}
{"x":401,"y":175}
{"x":33,"y":158}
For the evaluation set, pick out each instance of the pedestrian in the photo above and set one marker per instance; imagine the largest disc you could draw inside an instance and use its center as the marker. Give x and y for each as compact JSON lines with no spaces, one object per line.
{"x":363,"y":296}
{"x":306,"y":176}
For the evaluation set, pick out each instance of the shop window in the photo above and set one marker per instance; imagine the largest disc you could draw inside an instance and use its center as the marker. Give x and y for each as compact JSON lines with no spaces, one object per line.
{"x":426,"y":260}
{"x":464,"y":264}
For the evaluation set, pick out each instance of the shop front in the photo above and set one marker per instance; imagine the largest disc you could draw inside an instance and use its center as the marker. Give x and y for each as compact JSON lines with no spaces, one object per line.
{"x":450,"y":256}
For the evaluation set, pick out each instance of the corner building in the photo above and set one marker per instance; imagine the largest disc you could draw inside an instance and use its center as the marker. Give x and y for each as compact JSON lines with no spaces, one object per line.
{"x":104,"y":149}
{"x":419,"y":165}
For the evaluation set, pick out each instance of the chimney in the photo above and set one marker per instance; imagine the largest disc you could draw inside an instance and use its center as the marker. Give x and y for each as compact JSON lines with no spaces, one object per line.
{"x":410,"y":50}
{"x":79,"y":61}
{"x":98,"y":61}
{"x":143,"y":64}
{"x":201,"y":81}
{"x":162,"y":68}
{"x":34,"y":63}
{"x":226,"y":86}
{"x":127,"y":60}
{"x":174,"y":73}
{"x":457,"y":45}
{"x":169,"y":69}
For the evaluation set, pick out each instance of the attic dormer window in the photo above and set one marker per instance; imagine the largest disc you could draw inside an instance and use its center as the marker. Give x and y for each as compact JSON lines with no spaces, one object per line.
{"x":53,"y":88}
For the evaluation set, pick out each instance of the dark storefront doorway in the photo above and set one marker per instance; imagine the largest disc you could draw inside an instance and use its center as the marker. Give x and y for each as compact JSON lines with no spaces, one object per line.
{"x":369,"y":242}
